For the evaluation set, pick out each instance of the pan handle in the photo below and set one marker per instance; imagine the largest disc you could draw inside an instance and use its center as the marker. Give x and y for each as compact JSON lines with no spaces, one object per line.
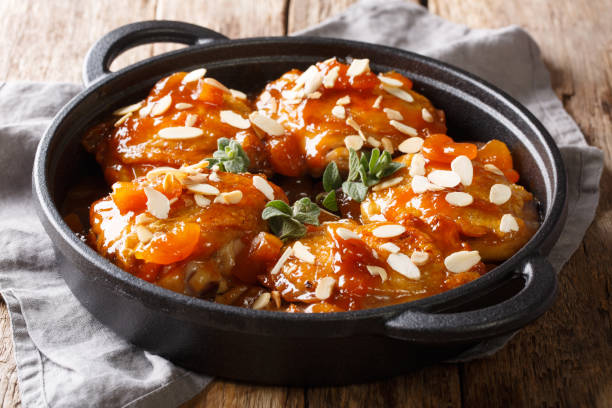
{"x":525,"y":306}
{"x":106,"y":49}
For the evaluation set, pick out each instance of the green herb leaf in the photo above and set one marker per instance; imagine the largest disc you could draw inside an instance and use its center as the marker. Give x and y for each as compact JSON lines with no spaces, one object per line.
{"x":356,"y":190}
{"x":306,"y":211}
{"x":286,"y":228}
{"x":229,"y":157}
{"x":288,"y":222}
{"x":354,"y":165}
{"x":330,"y":201}
{"x":331,"y":177}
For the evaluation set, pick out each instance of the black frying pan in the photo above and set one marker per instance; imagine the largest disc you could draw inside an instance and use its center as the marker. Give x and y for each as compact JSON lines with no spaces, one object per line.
{"x":284,"y":348}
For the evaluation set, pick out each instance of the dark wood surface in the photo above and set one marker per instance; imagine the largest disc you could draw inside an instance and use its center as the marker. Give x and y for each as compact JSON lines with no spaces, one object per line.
{"x":564,"y":359}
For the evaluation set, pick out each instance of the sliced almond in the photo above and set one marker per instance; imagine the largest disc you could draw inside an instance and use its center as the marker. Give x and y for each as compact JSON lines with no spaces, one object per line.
{"x":143,"y":219}
{"x":399,"y":93}
{"x":264,"y":187}
{"x":205,"y":189}
{"x":391,"y":247}
{"x":301,"y":80}
{"x":232,"y":197}
{"x":262,"y":301}
{"x":158,"y":204}
{"x":508,"y":223}
{"x":411,"y":145}
{"x":234,"y":119}
{"x":417,"y":165}
{"x":302,"y":252}
{"x":405,"y":129}
{"x":216,"y":84}
{"x":128,"y":109}
{"x":462,"y":165}
{"x":196,"y":178}
{"x":387,"y":145}
{"x":358,"y":67}
{"x":444,"y":178}
{"x":314,"y":95}
{"x":345,"y":100}
{"x":276,"y":297}
{"x":330,"y":78}
{"x":461,"y":261}
{"x":426,"y":115}
{"x":389,"y":231}
{"x":393,"y":114}
{"x":313,"y":82}
{"x":499,"y":194}
{"x":194,"y":75}
{"x":154,"y":173}
{"x":376,"y":104}
{"x":182,"y":106}
{"x":214,"y":176}
{"x":143,"y":233}
{"x":339,"y":111}
{"x":265,"y":97}
{"x":162,"y":105}
{"x":353,"y":142}
{"x":122,"y":120}
{"x":459,"y":199}
{"x":346,"y":234}
{"x":391,"y":82}
{"x":201,"y":201}
{"x":402,"y":264}
{"x":373,"y":142}
{"x":180,"y":132}
{"x":190,"y":120}
{"x":281,"y":261}
{"x":419,"y":184}
{"x":351,"y":122}
{"x":238,"y":94}
{"x":377,"y":271}
{"x":491,"y":168}
{"x":325,"y":287}
{"x":268,"y":125}
{"x":387,"y":183}
{"x":145,"y":110}
{"x":419,"y":257}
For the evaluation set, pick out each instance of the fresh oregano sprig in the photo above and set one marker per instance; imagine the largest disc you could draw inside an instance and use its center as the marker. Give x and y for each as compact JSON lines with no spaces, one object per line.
{"x":287,"y":222}
{"x":366,"y":171}
{"x":229,"y":157}
{"x":332,"y":180}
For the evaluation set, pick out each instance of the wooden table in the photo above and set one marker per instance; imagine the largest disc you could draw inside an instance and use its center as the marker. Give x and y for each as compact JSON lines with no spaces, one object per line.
{"x":564,"y":359}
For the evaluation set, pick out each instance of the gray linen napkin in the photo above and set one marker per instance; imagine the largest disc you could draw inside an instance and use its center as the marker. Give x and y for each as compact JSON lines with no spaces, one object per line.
{"x":65,"y":358}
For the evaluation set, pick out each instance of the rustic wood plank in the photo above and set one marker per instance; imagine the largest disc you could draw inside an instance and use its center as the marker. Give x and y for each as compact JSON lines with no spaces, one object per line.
{"x":9,"y":389}
{"x":564,"y":359}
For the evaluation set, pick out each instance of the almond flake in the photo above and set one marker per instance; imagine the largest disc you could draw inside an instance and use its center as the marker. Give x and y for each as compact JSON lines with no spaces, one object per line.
{"x":122,"y":120}
{"x":419,"y":257}
{"x":325,"y":287}
{"x":351,"y":122}
{"x":216,"y":84}
{"x":190,"y":120}
{"x":405,"y":129}
{"x":302,"y":252}
{"x":376,"y":104}
{"x":391,"y":247}
{"x":143,"y":233}
{"x":353,"y":142}
{"x":399,"y":93}
{"x":388,"y":183}
{"x":196,"y":178}
{"x":339,"y":112}
{"x":276,"y":297}
{"x":180,"y":132}
{"x":444,"y":178}
{"x":194,"y":75}
{"x":162,"y":105}
{"x":508,"y":223}
{"x":461,"y":261}
{"x":182,"y":106}
{"x":421,"y":184}
{"x":373,"y":142}
{"x":234,"y":119}
{"x":426,"y":115}
{"x":265,"y":96}
{"x":268,"y":125}
{"x":402,"y":264}
{"x":345,"y":100}
{"x":145,"y":110}
{"x":238,"y":94}
{"x":358,"y":67}
{"x":411,"y":145}
{"x":128,"y":109}
{"x":391,"y":82}
{"x":462,"y":165}
{"x":393,"y":114}
{"x":499,"y":194}
{"x":158,"y":204}
{"x":313,"y":82}
{"x":201,"y":201}
{"x":305,"y":76}
{"x":233,"y":197}
{"x":314,"y":95}
{"x":387,"y":144}
{"x":281,"y":261}
{"x":377,"y":271}
{"x":459,"y":199}
{"x":491,"y":168}
{"x":417,"y":165}
{"x":214,"y":176}
{"x":205,"y":189}
{"x":346,"y":234}
{"x":330,"y":78}
{"x":264,"y":187}
{"x":153,"y":173}
{"x":143,"y":219}
{"x":389,"y":231}
{"x":262,"y":301}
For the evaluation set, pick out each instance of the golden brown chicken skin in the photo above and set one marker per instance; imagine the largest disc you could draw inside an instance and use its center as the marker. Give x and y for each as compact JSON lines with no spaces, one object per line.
{"x":330,"y":101}
{"x":492,"y":214}
{"x":342,"y":266}
{"x":183,"y":229}
{"x":178,"y":123}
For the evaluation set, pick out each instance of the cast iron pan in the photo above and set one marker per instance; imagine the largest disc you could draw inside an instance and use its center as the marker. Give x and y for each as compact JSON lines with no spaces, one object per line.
{"x":284,"y":348}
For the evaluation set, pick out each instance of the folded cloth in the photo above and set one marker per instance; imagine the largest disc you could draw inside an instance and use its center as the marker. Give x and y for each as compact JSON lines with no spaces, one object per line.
{"x":66,"y":358}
